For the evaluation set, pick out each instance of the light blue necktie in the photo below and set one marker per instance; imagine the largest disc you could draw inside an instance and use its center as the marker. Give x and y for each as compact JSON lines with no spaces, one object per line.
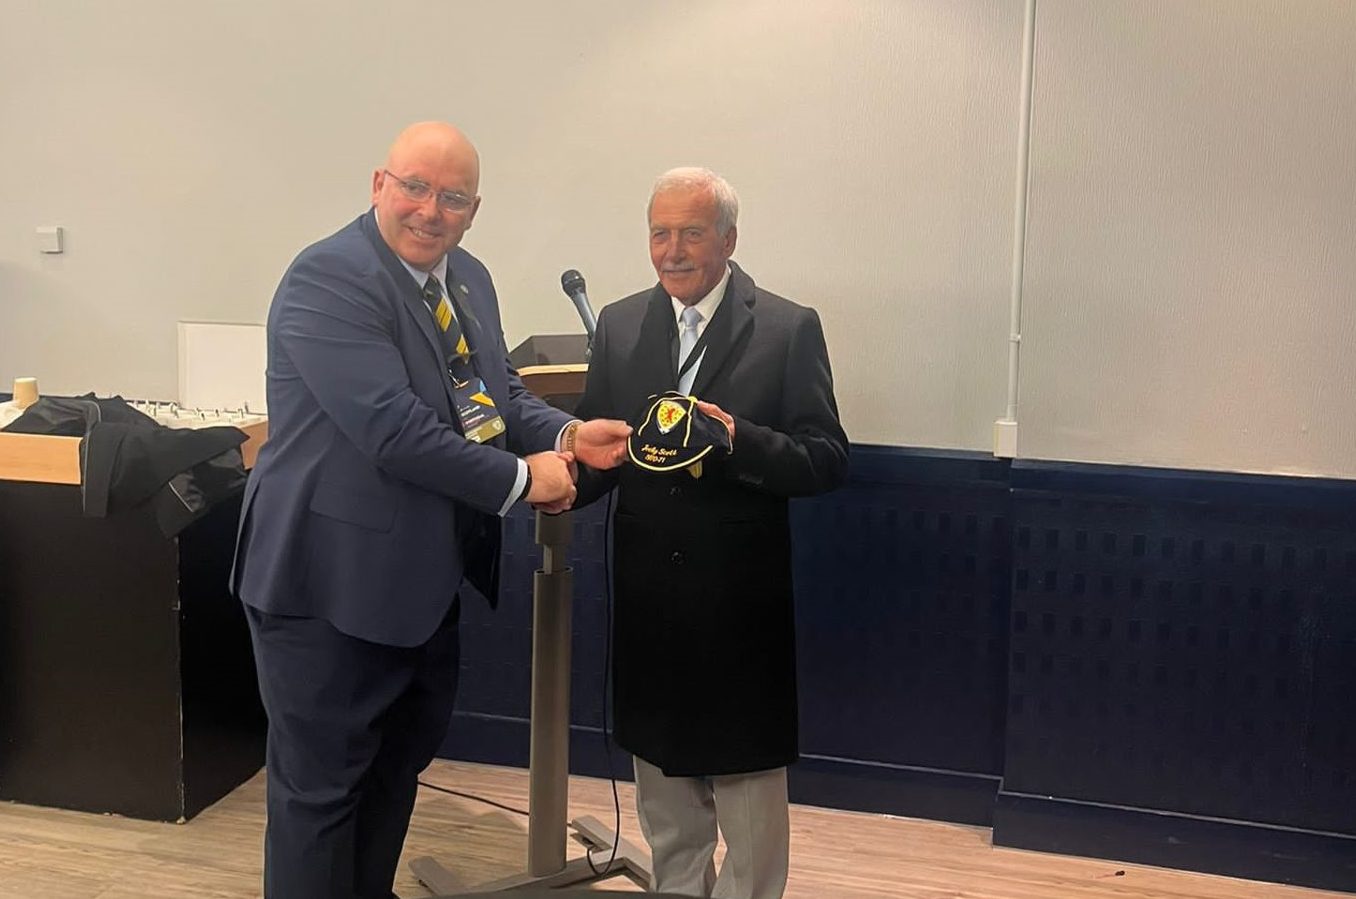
{"x":687,"y":339}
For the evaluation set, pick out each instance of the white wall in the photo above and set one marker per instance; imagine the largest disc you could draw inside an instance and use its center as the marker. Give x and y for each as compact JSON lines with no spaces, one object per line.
{"x":1189,"y":292}
{"x":190,"y":150}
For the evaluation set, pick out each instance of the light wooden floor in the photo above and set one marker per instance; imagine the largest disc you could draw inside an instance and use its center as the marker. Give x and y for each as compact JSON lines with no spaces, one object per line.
{"x":834,"y":855}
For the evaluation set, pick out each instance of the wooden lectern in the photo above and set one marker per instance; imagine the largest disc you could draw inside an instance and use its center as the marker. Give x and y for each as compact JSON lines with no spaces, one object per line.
{"x":552,"y":367}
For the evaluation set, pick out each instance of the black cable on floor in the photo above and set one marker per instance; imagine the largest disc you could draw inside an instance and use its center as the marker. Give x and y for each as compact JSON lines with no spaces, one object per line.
{"x":473,"y":797}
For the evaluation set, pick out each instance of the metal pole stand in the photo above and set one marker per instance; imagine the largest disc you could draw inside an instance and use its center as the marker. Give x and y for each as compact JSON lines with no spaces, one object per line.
{"x":549,"y":771}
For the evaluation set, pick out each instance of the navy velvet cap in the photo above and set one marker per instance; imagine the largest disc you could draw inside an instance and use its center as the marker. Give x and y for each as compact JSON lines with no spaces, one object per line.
{"x":670,"y":434}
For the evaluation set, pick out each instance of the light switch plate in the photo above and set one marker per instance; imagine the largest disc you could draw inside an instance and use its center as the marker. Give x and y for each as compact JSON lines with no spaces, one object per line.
{"x":50,"y":239}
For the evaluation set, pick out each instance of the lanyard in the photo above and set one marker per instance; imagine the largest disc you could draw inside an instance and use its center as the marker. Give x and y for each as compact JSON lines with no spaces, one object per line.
{"x":695,"y":353}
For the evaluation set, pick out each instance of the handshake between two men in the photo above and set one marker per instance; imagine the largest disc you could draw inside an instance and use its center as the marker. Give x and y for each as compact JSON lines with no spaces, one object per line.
{"x":600,"y":444}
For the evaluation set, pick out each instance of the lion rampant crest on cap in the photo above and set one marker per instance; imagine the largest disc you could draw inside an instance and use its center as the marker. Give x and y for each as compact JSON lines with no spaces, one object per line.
{"x":668,"y":415}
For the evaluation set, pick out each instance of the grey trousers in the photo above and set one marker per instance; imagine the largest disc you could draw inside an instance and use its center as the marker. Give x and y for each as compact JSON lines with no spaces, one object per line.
{"x":679,"y":817}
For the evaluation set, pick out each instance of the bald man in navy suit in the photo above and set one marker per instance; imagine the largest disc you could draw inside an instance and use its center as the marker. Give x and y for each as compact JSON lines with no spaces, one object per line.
{"x":399,"y":435}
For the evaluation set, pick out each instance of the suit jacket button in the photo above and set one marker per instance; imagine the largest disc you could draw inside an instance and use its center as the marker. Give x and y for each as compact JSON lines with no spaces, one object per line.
{"x":676,"y":558}
{"x":675,"y":491}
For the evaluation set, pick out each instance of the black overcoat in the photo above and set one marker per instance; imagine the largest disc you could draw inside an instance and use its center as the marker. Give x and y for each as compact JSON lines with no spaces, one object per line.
{"x":704,"y":669}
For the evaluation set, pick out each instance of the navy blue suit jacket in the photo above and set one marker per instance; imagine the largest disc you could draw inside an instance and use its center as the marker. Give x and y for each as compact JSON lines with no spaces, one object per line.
{"x":367,"y":507}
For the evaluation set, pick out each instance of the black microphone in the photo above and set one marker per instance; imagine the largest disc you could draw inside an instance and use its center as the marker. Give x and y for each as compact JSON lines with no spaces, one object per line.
{"x":573,"y":284}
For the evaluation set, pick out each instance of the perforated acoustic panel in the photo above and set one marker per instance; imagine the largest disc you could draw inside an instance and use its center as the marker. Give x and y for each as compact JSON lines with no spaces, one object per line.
{"x":1158,"y":665}
{"x":1185,"y":643}
{"x":901,"y":612}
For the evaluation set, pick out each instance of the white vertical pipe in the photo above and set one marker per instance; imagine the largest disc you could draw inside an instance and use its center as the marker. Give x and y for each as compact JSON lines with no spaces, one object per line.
{"x":1019,"y":212}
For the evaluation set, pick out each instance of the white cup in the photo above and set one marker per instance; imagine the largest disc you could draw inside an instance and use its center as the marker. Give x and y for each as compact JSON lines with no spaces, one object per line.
{"x":25,"y":392}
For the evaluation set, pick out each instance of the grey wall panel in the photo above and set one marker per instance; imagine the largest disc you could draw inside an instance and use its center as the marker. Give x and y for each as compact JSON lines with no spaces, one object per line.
{"x":1190,"y":295}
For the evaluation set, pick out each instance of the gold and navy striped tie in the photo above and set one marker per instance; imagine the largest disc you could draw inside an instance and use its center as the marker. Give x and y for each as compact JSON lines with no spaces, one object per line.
{"x":454,"y":341}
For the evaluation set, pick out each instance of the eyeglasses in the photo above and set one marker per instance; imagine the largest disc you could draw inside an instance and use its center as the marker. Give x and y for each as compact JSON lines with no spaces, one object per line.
{"x":418,"y":191}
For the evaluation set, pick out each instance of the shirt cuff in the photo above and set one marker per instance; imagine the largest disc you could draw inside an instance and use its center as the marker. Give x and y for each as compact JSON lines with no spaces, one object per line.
{"x":516,"y":492}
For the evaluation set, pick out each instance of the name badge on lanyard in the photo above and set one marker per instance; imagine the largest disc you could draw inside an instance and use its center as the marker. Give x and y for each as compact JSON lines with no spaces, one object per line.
{"x":480,"y":420}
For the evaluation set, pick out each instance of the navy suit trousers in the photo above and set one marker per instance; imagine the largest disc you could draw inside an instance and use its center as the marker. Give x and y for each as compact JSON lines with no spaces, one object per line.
{"x":351,"y":724}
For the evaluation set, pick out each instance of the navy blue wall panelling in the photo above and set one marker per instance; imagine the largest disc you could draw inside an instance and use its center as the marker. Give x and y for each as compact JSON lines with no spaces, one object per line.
{"x":901,"y":614}
{"x":1185,"y":643}
{"x":1154,"y":665}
